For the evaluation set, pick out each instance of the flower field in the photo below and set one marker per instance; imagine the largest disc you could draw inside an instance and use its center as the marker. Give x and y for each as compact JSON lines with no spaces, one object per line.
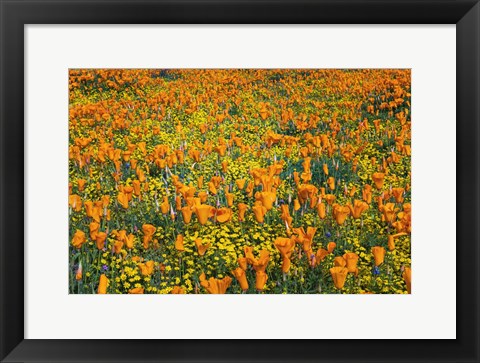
{"x":292,"y":181}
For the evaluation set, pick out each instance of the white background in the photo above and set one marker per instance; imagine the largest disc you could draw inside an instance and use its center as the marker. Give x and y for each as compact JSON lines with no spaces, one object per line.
{"x":428,"y":313}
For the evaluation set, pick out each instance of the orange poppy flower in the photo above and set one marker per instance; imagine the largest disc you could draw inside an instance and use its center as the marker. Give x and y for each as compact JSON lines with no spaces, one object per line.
{"x":75,"y":202}
{"x":340,"y":213}
{"x":240,"y":183}
{"x":285,"y":216}
{"x":215,"y":286}
{"x":211,"y":188}
{"x":398,"y":194}
{"x":378,"y":179}
{"x":146,"y":269}
{"x":103,"y":284}
{"x":296,"y":205}
{"x":223,"y":215}
{"x":267,"y":199}
{"x":178,"y":202}
{"x":117,"y":246}
{"x":129,"y":241}
{"x":136,"y":187}
{"x":200,"y":182}
{"x":331,"y":246}
{"x":351,"y":260}
{"x":148,"y":231}
{"x":165,"y":206}
{"x":378,"y":255}
{"x":203,"y":196}
{"x":305,"y":238}
{"x":339,"y":276}
{"x":100,"y":240}
{"x":241,"y":277}
{"x":94,"y":227}
{"x":259,"y":211}
{"x":81,"y":184}
{"x":89,"y":208}
{"x":261,"y":263}
{"x":286,"y":247}
{"x":123,"y":200}
{"x":177,"y":290}
{"x":179,"y":243}
{"x":242,"y":262}
{"x":319,"y":256}
{"x":321,"y":210}
{"x":389,"y":212}
{"x":358,"y":208}
{"x":260,"y":280}
{"x":330,"y":198}
{"x":136,"y":290}
{"x":331,"y":183}
{"x":78,"y":239}
{"x":242,"y":207}
{"x":203,"y":212}
{"x":339,"y":261}
{"x":201,"y":248}
{"x":229,"y":197}
{"x":187,"y":214}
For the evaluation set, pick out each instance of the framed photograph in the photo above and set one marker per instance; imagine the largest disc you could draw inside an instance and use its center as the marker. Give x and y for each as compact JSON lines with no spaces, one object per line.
{"x":239,"y":181}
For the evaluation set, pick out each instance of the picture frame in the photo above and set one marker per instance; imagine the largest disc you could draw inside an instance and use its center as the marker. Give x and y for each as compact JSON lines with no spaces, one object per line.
{"x":16,"y":14}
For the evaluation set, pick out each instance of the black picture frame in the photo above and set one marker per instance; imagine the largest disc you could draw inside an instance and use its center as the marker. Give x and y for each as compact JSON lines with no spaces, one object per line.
{"x":16,"y":13}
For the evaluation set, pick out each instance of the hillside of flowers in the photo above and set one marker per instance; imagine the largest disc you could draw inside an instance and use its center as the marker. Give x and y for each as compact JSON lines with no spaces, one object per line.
{"x":239,"y":181}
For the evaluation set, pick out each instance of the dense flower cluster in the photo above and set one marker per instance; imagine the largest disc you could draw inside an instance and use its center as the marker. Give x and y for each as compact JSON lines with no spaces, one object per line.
{"x":239,"y":181}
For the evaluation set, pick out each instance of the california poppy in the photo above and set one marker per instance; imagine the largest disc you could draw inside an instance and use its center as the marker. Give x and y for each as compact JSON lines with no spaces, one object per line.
{"x":223,"y":215}
{"x":320,"y":256}
{"x":100,"y":240}
{"x":102,"y":285}
{"x":75,"y":202}
{"x":285,"y":246}
{"x":259,"y":211}
{"x":241,"y":277}
{"x":123,"y":200}
{"x":78,"y":239}
{"x":321,"y":210}
{"x":165,"y":205}
{"x":351,"y":260}
{"x":378,"y":255}
{"x":325,"y":169}
{"x":260,"y":280}
{"x":94,"y":227}
{"x":331,"y":183}
{"x":242,"y":207}
{"x":177,"y":290}
{"x":201,"y":248}
{"x":179,"y":243}
{"x":340,"y":213}
{"x":331,"y":246}
{"x":215,"y":286}
{"x":146,"y":269}
{"x":357,"y":208}
{"x":148,"y":231}
{"x":339,"y":276}
{"x":398,"y":194}
{"x":136,"y":290}
{"x":378,"y":179}
{"x":203,"y":212}
{"x":187,"y":214}
{"x":240,"y":183}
